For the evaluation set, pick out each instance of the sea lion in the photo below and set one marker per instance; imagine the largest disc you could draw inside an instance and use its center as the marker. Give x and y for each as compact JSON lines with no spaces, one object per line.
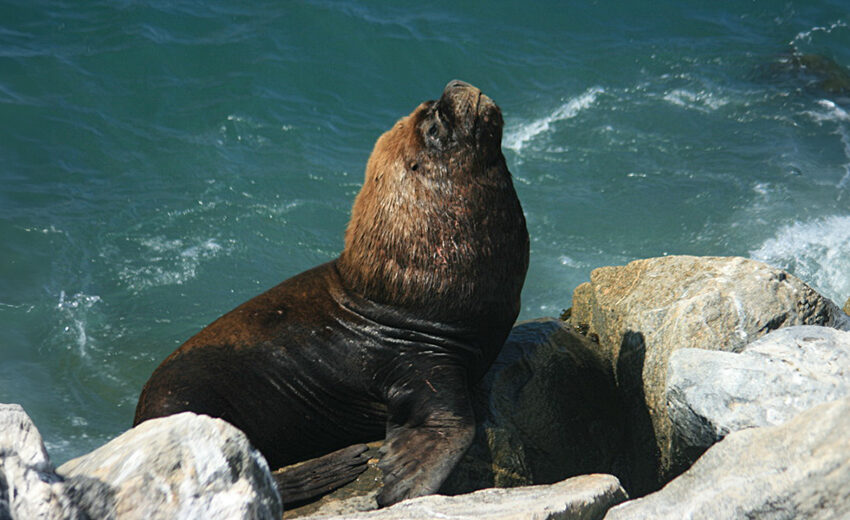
{"x":387,"y":338}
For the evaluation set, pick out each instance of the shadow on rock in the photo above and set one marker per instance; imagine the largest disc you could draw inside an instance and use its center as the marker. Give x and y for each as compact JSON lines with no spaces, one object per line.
{"x":643,"y":453}
{"x":547,"y":410}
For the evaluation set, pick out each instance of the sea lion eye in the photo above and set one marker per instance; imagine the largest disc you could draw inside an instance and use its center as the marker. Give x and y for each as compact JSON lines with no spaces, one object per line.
{"x":435,"y":131}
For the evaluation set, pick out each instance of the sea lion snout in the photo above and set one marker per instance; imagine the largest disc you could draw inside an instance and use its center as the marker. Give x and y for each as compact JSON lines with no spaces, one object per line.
{"x":456,"y":83}
{"x":473,"y":114}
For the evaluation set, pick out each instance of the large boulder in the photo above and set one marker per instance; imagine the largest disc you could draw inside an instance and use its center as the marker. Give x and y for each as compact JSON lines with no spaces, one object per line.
{"x":546,"y":410}
{"x":585,"y":497}
{"x":182,"y":466}
{"x":640,"y":313}
{"x":710,"y":394}
{"x":29,"y":486}
{"x":796,"y":470}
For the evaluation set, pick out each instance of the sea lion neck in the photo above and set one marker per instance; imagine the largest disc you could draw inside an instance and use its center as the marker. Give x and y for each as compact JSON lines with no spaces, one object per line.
{"x":457,"y":338}
{"x":450,"y":251}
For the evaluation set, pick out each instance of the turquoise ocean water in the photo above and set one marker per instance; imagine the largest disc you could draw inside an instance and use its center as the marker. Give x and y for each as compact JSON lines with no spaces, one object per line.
{"x":161,"y":161}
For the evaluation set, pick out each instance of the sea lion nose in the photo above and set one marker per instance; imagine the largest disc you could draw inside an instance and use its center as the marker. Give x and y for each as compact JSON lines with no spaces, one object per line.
{"x":460,"y":99}
{"x":458,"y":84}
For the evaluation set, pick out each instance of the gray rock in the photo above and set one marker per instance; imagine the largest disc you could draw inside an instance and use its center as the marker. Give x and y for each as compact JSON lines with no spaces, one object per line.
{"x":581,"y":498}
{"x":800,"y":469}
{"x":710,"y":394}
{"x":182,"y":466}
{"x":645,"y":310}
{"x":331,"y":506}
{"x":546,"y":410}
{"x":29,"y":487}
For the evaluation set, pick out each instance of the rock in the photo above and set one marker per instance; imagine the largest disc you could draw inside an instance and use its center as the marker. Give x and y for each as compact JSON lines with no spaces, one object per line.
{"x":710,"y":394}
{"x":29,"y":487}
{"x":817,"y":72}
{"x":182,"y":466}
{"x":546,"y":410}
{"x":584,"y":497}
{"x":797,"y":470}
{"x":331,"y":505}
{"x":645,"y":310}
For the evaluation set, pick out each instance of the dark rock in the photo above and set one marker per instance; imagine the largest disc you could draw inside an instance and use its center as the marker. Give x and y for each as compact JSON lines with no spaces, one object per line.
{"x":816,"y":73}
{"x":546,"y":410}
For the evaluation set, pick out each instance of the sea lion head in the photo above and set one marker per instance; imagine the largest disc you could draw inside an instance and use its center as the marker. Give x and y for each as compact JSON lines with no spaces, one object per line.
{"x":447,"y":137}
{"x":437,"y":224}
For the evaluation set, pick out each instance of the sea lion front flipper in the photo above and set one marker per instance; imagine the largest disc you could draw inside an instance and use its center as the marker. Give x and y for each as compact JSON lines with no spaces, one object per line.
{"x":428,"y":432}
{"x":314,"y":477}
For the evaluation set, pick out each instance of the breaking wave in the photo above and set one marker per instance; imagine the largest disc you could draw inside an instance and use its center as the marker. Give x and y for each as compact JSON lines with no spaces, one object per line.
{"x":817,"y":251}
{"x":523,"y":133}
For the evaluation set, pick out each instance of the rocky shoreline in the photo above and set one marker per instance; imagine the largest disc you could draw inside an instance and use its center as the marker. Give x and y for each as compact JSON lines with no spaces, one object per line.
{"x":702,"y":387}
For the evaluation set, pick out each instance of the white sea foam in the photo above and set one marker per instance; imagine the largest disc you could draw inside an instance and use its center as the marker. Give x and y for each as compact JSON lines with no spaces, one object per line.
{"x":845,"y":180}
{"x":75,"y":310}
{"x":831,"y":112}
{"x":523,"y":133}
{"x":14,"y":307}
{"x":835,"y":114}
{"x":569,"y":262}
{"x":816,"y":251}
{"x":702,"y":100}
{"x":168,"y":262}
{"x":45,"y":231}
{"x":806,"y":36}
